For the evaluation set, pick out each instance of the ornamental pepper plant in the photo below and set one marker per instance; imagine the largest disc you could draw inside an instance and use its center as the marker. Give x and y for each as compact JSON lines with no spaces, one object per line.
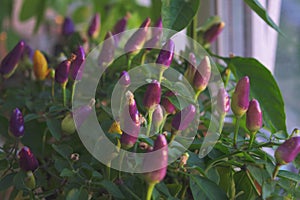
{"x":110,"y":106}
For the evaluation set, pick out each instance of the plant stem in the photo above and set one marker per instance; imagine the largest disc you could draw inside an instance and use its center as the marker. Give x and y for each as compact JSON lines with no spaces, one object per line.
{"x":73,"y":90}
{"x":163,"y":123}
{"x":252,"y":138}
{"x":64,"y":95}
{"x":52,"y":89}
{"x":108,"y":170}
{"x":236,"y":131}
{"x":221,"y":123}
{"x":151,"y":110}
{"x":227,"y":73}
{"x":161,"y":72}
{"x":275,"y":172}
{"x":122,"y":154}
{"x":197,"y":95}
{"x":129,"y":62}
{"x":150,"y":190}
{"x":144,"y":56}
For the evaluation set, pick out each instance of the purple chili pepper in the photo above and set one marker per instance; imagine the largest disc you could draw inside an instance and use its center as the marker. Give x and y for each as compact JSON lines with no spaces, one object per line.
{"x":158,"y":117}
{"x":240,"y":97}
{"x":191,"y":68}
{"x":130,"y":122}
{"x":77,"y":65}
{"x":159,"y":158}
{"x":119,"y":27}
{"x":10,"y":61}
{"x":202,"y":75}
{"x":94,"y":27}
{"x":212,"y":33}
{"x":16,"y":123}
{"x":223,"y":102}
{"x":166,"y":103}
{"x":124,"y":79}
{"x":27,"y":160}
{"x":288,"y":151}
{"x":152,"y":95}
{"x":183,"y":119}
{"x":68,"y":27}
{"x":254,"y":116}
{"x":107,"y":53}
{"x":82,"y":113}
{"x":137,"y":40}
{"x":156,"y":36}
{"x":166,"y":54}
{"x":62,"y":72}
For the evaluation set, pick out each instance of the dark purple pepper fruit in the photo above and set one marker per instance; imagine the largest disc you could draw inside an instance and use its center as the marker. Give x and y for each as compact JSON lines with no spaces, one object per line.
{"x":223,"y":101}
{"x":183,"y":119}
{"x":10,"y":61}
{"x":191,"y":68}
{"x":94,"y":27}
{"x":77,"y":65}
{"x":159,"y":159}
{"x":16,"y":123}
{"x":137,"y":40}
{"x":119,"y":27}
{"x":166,"y":103}
{"x":202,"y":75}
{"x":82,"y":113}
{"x":212,"y":33}
{"x":27,"y":160}
{"x":152,"y":95}
{"x":288,"y":151}
{"x":62,"y":72}
{"x":254,"y":116}
{"x":156,"y":35}
{"x":124,"y":79}
{"x":166,"y":54}
{"x":68,"y":27}
{"x":107,"y":53}
{"x":240,"y":97}
{"x":130,"y":122}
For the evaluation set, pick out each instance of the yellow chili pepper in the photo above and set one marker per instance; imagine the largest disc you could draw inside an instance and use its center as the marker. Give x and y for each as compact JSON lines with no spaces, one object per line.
{"x":115,"y":128}
{"x":40,"y":66}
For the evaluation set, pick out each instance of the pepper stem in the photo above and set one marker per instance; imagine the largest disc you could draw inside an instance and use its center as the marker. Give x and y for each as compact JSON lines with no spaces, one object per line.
{"x":150,"y":190}
{"x":73,"y":90}
{"x":236,"y":130}
{"x":64,"y":95}
{"x":252,"y":138}
{"x":275,"y":172}
{"x":129,"y":62}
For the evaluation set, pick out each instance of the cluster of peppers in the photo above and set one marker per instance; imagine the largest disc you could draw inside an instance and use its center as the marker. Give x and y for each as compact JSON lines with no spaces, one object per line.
{"x":158,"y":105}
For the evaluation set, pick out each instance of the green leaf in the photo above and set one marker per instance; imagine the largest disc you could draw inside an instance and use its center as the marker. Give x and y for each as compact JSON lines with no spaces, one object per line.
{"x":174,"y":189}
{"x":30,"y":116}
{"x":263,"y":88}
{"x":289,"y":175}
{"x":259,"y":174}
{"x":77,"y":194}
{"x":244,"y":186}
{"x":66,"y":173}
{"x":64,"y":150}
{"x":177,"y":14}
{"x":54,"y":127}
{"x":226,"y":181}
{"x":112,"y":189}
{"x":33,"y":8}
{"x":203,"y":188}
{"x":260,"y":11}
{"x":7,"y":181}
{"x":28,"y":9}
